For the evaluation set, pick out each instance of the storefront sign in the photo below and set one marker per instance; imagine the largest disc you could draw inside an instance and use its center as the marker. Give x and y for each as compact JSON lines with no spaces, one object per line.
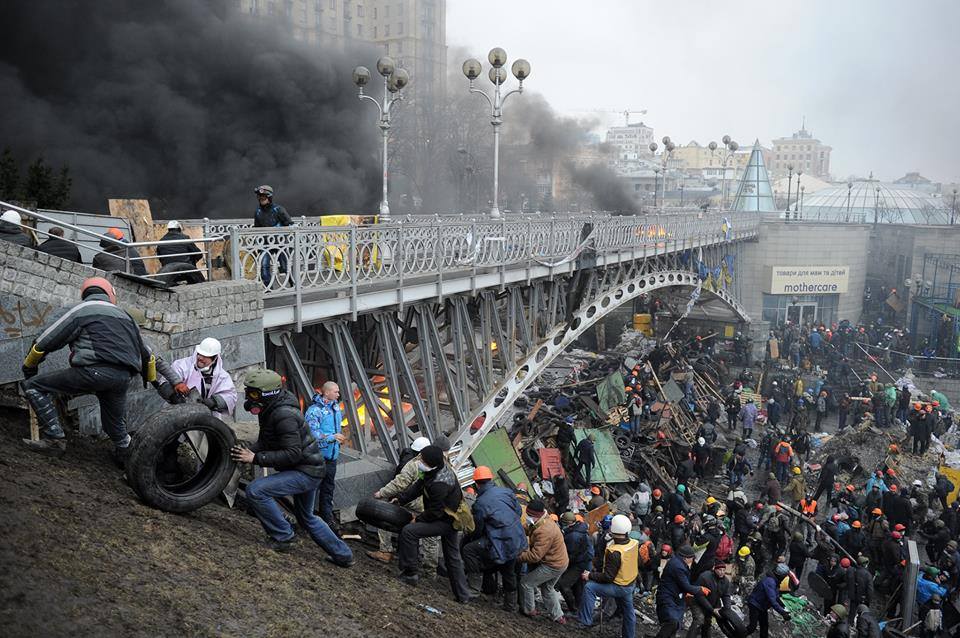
{"x":808,"y":280}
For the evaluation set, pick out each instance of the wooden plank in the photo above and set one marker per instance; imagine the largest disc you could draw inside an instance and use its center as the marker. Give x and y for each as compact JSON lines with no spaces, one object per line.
{"x":594,"y":517}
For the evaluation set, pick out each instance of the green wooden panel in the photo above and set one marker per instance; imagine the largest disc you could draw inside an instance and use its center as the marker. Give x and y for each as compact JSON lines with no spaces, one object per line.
{"x":609,"y":467}
{"x":496,"y":452}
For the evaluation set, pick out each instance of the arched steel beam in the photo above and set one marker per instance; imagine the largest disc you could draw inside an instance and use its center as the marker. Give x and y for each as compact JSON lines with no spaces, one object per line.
{"x":498,"y":402}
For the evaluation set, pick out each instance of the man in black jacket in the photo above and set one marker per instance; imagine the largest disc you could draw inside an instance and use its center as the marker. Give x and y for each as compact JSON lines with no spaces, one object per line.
{"x":115,"y":255}
{"x":185,"y":253}
{"x":57,"y":246}
{"x":10,"y":229}
{"x":286,"y":444}
{"x":106,"y":350}
{"x":441,"y":493}
{"x":716,"y":582}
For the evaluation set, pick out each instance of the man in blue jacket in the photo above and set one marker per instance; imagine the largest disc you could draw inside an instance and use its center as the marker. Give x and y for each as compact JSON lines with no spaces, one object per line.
{"x":580,"y":552}
{"x":674,"y":585}
{"x":498,"y":538}
{"x":325,"y":418}
{"x":763,"y":597}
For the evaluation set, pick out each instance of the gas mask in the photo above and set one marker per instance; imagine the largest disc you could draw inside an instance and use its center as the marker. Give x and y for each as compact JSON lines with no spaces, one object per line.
{"x":255,"y":399}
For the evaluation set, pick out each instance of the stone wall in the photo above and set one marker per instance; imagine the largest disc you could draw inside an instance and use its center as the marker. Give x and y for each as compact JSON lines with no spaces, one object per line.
{"x":36,"y":287}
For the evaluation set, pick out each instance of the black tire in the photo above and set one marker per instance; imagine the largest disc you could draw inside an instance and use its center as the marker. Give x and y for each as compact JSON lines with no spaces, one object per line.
{"x":178,"y":273}
{"x":622,"y":439}
{"x":530,"y":457}
{"x":151,"y":443}
{"x":383,"y":515}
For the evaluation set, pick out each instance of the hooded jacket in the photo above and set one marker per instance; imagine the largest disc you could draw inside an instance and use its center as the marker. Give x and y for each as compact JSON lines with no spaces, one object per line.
{"x":579,"y":546}
{"x":325,"y":420}
{"x":186,"y":253}
{"x":496,"y":514}
{"x":13,"y":234}
{"x":285,"y":442}
{"x":220,"y":387}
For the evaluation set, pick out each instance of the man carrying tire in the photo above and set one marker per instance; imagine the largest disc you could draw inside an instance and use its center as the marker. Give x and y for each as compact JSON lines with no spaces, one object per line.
{"x":324,"y":418}
{"x":285,"y":444}
{"x":205,"y":373}
{"x":438,"y":485}
{"x":106,"y":350}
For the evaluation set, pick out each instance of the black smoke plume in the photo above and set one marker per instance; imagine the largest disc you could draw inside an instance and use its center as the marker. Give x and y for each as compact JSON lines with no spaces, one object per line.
{"x":187,"y":103}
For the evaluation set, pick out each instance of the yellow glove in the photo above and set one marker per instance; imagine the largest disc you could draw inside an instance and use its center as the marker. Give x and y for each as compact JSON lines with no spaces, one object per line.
{"x":151,"y":371}
{"x":33,"y":358}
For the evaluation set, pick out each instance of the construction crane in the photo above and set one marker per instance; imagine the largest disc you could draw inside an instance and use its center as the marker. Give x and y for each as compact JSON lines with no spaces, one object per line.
{"x":626,"y":113}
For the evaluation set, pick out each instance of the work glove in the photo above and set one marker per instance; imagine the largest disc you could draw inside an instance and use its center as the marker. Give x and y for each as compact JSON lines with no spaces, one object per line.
{"x":182,"y":389}
{"x":28,"y":371}
{"x":210,"y":402}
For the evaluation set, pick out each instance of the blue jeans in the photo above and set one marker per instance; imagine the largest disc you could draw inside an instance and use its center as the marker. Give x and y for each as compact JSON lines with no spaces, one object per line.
{"x":262,"y":493}
{"x":623,"y":597}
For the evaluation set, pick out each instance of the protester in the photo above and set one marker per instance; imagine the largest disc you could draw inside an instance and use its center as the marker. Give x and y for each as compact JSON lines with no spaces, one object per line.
{"x":546,"y":558}
{"x":57,"y":246}
{"x":325,"y":420}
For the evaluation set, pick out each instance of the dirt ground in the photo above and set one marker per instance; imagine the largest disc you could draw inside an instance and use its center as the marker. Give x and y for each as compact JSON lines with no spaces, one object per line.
{"x":79,"y":555}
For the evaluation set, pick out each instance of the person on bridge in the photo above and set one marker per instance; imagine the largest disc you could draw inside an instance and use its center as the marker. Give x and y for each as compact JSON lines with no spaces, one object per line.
{"x":106,"y":350}
{"x":325,"y":419}
{"x":11,"y":231}
{"x":269,"y":215}
{"x":187,"y":253}
{"x":205,"y":373}
{"x":285,"y":444}
{"x":57,"y":246}
{"x":114,"y":256}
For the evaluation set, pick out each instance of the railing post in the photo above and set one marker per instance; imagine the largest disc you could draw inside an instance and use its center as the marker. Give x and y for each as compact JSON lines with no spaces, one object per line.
{"x":235,"y":266}
{"x":298,"y":290}
{"x":353,"y":272}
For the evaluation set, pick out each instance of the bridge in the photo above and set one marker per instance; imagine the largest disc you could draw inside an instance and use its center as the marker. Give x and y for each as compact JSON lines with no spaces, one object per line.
{"x":438,"y":322}
{"x":457,"y":317}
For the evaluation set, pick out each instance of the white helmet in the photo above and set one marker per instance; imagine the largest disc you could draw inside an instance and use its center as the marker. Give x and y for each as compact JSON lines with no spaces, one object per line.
{"x":174,"y":224}
{"x":11,"y":216}
{"x":419,"y":443}
{"x":209,"y":347}
{"x":620,"y":525}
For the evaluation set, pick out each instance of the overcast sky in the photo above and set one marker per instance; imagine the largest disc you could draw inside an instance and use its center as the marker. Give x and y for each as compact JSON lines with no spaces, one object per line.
{"x":876,"y":79}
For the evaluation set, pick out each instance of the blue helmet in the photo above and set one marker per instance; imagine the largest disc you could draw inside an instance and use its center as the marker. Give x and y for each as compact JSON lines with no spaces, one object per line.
{"x":606,"y":521}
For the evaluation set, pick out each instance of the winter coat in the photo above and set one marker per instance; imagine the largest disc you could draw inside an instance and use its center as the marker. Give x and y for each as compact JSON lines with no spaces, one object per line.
{"x":720,"y":589}
{"x":772,"y":491}
{"x":407,"y":473}
{"x":867,"y":625}
{"x":828,"y":474}
{"x":579,"y":546}
{"x":764,"y":595}
{"x":61,"y":248}
{"x":186,"y":253}
{"x":859,"y":586}
{"x":674,"y":584}
{"x":585,"y":454}
{"x":748,"y":414}
{"x":271,"y":215}
{"x":285,"y":442}
{"x":496,"y":514}
{"x":98,"y":333}
{"x":220,"y":387}
{"x":546,"y":545}
{"x":440,"y":490}
{"x":796,"y":488}
{"x":13,"y":234}
{"x":326,"y":421}
{"x":113,"y":260}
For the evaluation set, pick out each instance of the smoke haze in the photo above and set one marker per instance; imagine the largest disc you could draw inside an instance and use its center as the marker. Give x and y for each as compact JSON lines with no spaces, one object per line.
{"x":188,"y":104}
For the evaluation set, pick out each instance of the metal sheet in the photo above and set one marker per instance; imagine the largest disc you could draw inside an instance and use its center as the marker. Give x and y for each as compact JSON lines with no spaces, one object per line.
{"x":496,"y":452}
{"x":609,"y":467}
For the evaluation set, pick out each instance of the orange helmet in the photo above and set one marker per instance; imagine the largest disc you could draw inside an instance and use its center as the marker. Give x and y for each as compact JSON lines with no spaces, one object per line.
{"x":595,"y":490}
{"x":876,"y":511}
{"x":115,"y":233}
{"x":482,"y":473}
{"x":918,"y":406}
{"x":893,"y":488}
{"x":678,"y":519}
{"x":936,"y":404}
{"x":893,"y":448}
{"x":102,"y":284}
{"x":856,"y":524}
{"x":657,"y":493}
{"x":891,"y":472}
{"x":851,"y":488}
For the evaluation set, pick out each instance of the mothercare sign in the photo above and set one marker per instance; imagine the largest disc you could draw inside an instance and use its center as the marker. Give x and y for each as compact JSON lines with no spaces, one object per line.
{"x":808,"y":280}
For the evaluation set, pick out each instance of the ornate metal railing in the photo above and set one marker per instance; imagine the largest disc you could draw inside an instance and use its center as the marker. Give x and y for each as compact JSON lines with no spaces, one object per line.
{"x":303,"y":258}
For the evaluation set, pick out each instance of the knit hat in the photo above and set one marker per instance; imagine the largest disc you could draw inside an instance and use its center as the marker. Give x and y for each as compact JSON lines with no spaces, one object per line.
{"x":432,"y":456}
{"x":442,"y":442}
{"x":686,"y":551}
{"x":781,"y":569}
{"x":536,"y":507}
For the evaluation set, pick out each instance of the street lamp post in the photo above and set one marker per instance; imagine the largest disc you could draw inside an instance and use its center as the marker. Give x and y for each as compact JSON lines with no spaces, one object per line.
{"x":656,"y":180}
{"x":498,"y":75}
{"x":796,"y":206}
{"x":731,"y":148}
{"x":802,"y":188}
{"x":789,"y":184}
{"x":953,"y":209}
{"x":849,"y":188}
{"x":668,"y":147}
{"x":394,"y":80}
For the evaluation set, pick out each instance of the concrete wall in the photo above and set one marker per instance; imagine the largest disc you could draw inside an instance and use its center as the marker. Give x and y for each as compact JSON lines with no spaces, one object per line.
{"x":782,"y":243}
{"x":35,"y":287}
{"x":896,"y":252}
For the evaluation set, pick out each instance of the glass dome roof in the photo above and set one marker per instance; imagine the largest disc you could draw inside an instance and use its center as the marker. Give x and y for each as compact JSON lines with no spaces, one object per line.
{"x":869,"y":200}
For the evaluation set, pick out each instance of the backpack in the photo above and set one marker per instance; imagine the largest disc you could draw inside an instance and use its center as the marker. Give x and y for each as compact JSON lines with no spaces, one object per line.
{"x":646,"y":553}
{"x":724,"y":548}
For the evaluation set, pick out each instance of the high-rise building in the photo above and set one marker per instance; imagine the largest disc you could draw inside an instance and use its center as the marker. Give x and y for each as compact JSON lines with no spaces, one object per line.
{"x":802,"y":151}
{"x":412,"y":32}
{"x":630,"y":144}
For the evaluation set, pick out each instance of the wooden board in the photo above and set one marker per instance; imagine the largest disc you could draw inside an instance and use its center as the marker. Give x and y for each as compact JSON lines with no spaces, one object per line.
{"x":594,"y":517}
{"x":774,"y":346}
{"x":496,"y":452}
{"x":550,"y":463}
